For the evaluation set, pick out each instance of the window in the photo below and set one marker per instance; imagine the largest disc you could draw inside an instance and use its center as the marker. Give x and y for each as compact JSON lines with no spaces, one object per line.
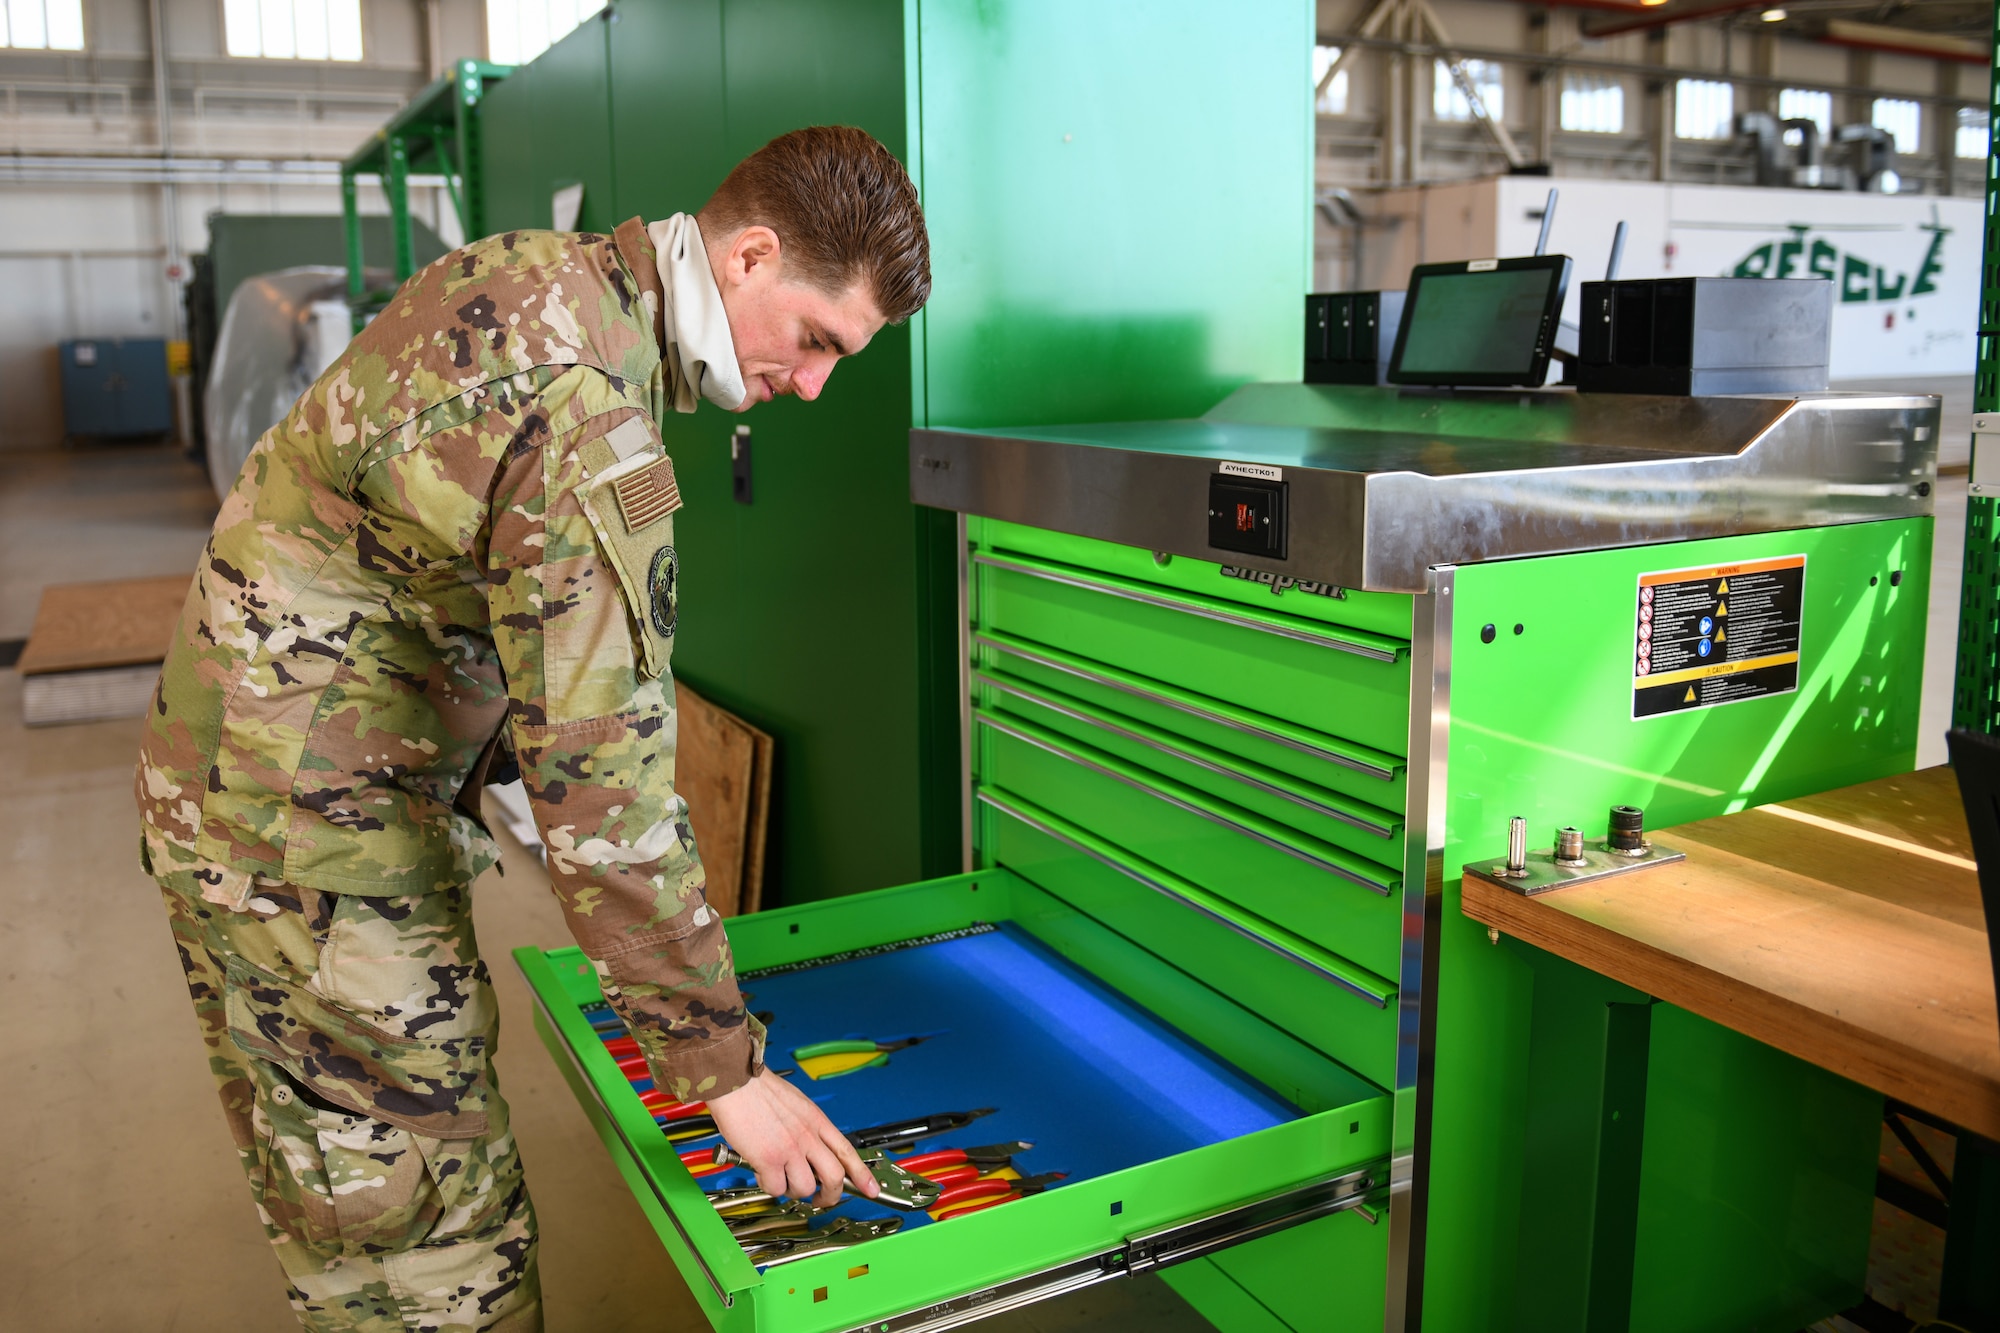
{"x":42,"y":25}
{"x":1903,"y":120}
{"x":1975,"y":137}
{"x":1448,"y":100}
{"x":1703,"y":109}
{"x":293,"y":29}
{"x":1593,"y":104}
{"x":1807,"y":104}
{"x":1333,"y":101}
{"x":519,"y":30}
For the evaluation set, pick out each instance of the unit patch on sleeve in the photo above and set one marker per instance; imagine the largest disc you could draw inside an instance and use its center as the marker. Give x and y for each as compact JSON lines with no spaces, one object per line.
{"x":648,"y":495}
{"x":661,"y":592}
{"x":1717,"y":635}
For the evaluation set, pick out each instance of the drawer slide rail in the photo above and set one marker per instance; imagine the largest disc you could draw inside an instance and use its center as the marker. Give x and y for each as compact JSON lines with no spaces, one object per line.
{"x":1150,"y":1252}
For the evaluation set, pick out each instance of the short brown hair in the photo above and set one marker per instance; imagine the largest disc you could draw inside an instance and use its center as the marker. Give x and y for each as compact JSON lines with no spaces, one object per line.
{"x":844,"y":210}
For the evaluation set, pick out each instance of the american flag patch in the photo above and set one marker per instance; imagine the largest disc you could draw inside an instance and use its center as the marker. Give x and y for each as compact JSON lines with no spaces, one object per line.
{"x":648,"y":495}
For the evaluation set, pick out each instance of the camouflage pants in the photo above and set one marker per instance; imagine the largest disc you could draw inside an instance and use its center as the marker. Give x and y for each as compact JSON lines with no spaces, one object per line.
{"x":350,"y":1038}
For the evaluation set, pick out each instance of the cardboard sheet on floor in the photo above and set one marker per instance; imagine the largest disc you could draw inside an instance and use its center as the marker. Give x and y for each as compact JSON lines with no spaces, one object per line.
{"x":115,"y":623}
{"x":95,"y":650}
{"x":1093,"y":1081}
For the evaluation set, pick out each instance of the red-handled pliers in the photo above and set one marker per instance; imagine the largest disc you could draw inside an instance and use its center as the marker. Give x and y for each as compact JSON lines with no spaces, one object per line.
{"x":701,"y":1162}
{"x":979,"y":1195}
{"x":991,"y":1157}
{"x":664,"y":1107}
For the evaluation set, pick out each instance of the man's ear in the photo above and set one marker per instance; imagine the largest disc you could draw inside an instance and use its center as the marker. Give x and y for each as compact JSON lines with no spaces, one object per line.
{"x":753,"y":249}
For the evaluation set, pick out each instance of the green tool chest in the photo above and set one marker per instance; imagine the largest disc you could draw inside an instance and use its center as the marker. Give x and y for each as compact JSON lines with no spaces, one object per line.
{"x":1229,"y":797}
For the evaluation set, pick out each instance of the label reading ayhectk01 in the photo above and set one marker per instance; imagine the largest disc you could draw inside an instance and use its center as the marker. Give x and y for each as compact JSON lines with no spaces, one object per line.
{"x":1717,"y":635}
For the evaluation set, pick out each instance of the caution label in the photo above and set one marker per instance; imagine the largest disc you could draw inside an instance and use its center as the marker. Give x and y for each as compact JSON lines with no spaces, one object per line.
{"x":1718,"y":635}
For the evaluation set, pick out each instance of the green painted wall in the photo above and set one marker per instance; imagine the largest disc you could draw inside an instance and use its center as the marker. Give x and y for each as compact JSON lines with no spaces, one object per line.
{"x":1119,"y":194}
{"x":1141,"y":268}
{"x":548,"y":125}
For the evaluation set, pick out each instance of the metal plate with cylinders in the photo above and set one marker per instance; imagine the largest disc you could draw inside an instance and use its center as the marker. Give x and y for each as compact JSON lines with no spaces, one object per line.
{"x":1595,"y":861}
{"x":1572,"y":860}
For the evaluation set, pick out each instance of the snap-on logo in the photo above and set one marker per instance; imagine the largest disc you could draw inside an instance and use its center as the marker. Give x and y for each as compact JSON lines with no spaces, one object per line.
{"x":1279,"y":584}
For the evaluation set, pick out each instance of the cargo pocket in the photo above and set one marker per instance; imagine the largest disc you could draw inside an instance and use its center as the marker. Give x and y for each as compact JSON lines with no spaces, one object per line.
{"x":631,"y":506}
{"x":435,"y":1088}
{"x":339,"y":1182}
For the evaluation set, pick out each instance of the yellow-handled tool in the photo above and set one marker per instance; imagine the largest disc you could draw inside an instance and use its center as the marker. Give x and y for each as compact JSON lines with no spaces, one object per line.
{"x":831,"y":1059}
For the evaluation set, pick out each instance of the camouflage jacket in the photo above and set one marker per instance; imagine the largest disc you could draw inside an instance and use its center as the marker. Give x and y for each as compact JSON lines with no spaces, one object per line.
{"x":461,"y":535}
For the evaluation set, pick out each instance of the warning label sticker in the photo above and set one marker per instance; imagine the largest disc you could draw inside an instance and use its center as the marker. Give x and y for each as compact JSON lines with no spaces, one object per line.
{"x":1718,"y":635}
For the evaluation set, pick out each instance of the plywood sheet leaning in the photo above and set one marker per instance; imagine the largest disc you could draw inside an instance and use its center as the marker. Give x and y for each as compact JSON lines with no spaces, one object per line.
{"x":722,"y":768}
{"x":95,"y":650}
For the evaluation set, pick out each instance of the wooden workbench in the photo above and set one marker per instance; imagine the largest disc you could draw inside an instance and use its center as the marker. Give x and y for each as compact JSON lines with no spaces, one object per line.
{"x":1845,"y":929}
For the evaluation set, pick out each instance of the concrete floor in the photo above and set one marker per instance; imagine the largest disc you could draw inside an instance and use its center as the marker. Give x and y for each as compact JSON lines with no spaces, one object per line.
{"x":122,"y":1206}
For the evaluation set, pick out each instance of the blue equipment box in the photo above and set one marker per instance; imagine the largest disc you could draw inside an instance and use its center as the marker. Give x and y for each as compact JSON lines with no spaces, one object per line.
{"x":115,"y":387}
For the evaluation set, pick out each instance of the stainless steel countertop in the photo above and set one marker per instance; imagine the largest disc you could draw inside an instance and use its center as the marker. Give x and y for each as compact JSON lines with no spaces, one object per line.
{"x":1384,"y":483}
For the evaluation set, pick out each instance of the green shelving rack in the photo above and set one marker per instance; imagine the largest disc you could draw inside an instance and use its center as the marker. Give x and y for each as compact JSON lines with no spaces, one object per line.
{"x":437,"y":132}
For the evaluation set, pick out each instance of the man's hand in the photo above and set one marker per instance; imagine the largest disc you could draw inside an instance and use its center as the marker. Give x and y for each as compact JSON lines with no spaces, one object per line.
{"x":789,"y":1142}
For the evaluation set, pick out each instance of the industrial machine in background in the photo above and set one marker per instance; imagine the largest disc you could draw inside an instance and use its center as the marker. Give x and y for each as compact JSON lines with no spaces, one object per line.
{"x":243,"y":245}
{"x":1794,"y":153}
{"x":280,"y":332}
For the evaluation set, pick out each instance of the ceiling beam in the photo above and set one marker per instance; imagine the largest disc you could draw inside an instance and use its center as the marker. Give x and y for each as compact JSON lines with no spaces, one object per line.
{"x":1665,"y":16}
{"x":1905,"y":41}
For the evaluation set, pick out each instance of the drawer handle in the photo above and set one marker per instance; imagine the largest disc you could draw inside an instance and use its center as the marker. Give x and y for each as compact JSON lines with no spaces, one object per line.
{"x":1023,"y":732}
{"x":1366,"y":825}
{"x":1136,"y":592}
{"x":1110,"y":678}
{"x":1189,"y":897}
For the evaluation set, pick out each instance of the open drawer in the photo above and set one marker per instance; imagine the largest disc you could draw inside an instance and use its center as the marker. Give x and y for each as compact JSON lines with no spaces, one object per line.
{"x":1185,"y":1123}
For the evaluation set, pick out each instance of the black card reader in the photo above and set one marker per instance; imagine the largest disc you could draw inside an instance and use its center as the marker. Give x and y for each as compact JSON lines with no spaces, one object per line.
{"x":1246,"y":516}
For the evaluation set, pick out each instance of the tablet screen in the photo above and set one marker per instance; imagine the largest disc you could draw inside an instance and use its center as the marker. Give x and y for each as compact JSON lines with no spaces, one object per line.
{"x":1476,"y":323}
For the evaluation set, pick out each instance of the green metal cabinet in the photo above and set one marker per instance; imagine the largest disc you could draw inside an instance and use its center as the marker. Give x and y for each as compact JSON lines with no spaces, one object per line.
{"x":1252,"y":766}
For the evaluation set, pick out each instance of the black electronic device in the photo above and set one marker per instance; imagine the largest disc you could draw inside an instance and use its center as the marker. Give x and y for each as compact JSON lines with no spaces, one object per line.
{"x":1247,"y":514}
{"x":739,"y":465}
{"x":1482,"y":322}
{"x":1349,"y":336}
{"x":1705,"y":335}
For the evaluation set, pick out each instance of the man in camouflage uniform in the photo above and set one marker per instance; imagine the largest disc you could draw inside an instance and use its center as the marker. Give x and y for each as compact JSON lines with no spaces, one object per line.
{"x":459,"y":544}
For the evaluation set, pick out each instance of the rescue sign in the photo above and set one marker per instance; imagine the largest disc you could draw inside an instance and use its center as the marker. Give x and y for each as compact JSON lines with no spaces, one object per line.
{"x":1717,"y":635}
